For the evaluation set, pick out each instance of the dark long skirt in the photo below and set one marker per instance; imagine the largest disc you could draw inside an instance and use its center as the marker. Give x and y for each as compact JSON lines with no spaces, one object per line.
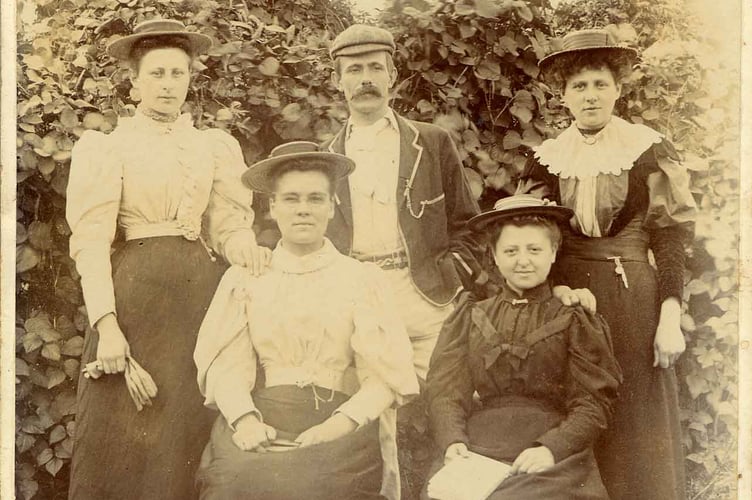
{"x":503,"y":432}
{"x":163,"y":287}
{"x":640,"y":455}
{"x":348,"y":468}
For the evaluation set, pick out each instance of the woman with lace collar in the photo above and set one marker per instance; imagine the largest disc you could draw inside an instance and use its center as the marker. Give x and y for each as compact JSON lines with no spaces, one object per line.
{"x":629,"y":196}
{"x":175,"y":193}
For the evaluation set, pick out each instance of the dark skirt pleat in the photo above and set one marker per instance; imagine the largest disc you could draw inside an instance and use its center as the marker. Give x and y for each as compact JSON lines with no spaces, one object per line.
{"x":163,"y":287}
{"x":640,"y":455}
{"x":348,"y":468}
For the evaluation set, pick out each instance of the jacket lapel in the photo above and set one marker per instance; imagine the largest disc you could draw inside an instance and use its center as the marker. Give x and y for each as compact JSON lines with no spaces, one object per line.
{"x":343,"y":204}
{"x":410,"y":153}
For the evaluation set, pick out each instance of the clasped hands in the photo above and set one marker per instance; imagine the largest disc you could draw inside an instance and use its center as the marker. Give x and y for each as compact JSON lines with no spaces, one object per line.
{"x":531,"y":460}
{"x":251,"y":434}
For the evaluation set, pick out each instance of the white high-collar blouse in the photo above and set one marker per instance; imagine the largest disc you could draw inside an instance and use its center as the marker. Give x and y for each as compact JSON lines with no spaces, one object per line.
{"x":308,"y":320}
{"x":152,"y":179}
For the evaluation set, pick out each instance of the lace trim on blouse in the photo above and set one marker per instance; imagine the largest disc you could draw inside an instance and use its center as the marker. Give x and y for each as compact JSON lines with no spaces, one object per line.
{"x":611,"y":151}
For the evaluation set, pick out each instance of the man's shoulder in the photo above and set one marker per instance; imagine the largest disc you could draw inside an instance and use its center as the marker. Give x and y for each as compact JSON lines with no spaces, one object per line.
{"x":425,"y":129}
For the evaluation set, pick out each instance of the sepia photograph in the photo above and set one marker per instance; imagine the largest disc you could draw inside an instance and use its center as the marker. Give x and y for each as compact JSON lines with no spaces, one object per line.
{"x":375,"y":249}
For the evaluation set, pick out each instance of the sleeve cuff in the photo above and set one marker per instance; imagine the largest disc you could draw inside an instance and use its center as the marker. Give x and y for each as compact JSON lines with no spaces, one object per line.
{"x":559,"y":447}
{"x":235,"y":405}
{"x":367,"y":404}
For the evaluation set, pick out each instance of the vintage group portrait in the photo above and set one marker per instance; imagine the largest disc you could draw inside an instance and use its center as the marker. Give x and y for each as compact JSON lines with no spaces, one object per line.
{"x":388,"y":249}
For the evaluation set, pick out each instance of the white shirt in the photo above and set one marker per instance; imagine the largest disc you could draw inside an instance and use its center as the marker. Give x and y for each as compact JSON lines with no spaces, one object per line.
{"x":375,"y":149}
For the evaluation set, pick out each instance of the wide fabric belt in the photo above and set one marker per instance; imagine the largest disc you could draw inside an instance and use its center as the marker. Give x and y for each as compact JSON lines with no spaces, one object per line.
{"x":167,"y":228}
{"x":302,"y":377}
{"x":393,"y":260}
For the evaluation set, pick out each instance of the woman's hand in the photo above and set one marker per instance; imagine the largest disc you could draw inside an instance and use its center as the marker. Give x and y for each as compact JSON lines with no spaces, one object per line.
{"x":330,"y":429}
{"x":251,"y":434}
{"x":455,"y":450}
{"x":669,"y":341}
{"x":112,"y":348}
{"x":536,"y":459}
{"x":579,"y":296}
{"x":248,"y":254}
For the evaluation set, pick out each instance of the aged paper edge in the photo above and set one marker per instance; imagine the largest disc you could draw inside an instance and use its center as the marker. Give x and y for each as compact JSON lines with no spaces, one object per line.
{"x":8,"y":229}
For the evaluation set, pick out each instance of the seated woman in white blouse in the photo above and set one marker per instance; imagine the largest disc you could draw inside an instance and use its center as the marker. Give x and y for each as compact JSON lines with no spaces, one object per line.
{"x":333,"y":355}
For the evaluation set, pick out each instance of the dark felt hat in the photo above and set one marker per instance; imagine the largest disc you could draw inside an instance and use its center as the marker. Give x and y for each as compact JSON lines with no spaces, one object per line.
{"x":520,"y":204}
{"x":361,"y":39}
{"x":121,"y":48}
{"x":260,"y":175}
{"x":586,"y":40}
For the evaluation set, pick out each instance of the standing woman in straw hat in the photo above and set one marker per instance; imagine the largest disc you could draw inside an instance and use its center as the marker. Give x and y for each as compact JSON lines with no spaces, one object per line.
{"x":629,"y":196}
{"x":156,"y":177}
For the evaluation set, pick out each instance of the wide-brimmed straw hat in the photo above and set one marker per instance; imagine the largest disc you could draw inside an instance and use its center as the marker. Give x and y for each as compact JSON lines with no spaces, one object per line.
{"x":587,"y":40}
{"x":260,"y":175}
{"x":520,"y":204}
{"x":121,"y":48}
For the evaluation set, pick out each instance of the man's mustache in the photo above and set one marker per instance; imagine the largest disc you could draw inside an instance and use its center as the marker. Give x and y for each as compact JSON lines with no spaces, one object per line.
{"x":369,"y":90}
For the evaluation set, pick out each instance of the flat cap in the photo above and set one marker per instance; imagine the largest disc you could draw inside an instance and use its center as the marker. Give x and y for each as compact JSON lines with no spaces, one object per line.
{"x":361,"y":39}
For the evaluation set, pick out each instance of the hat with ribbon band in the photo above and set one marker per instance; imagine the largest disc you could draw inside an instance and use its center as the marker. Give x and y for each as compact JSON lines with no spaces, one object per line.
{"x":261,"y":175}
{"x":121,"y":48}
{"x":585,"y":40}
{"x":520,"y":204}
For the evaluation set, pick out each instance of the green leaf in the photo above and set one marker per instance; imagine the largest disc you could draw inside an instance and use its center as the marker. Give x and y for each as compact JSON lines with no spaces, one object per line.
{"x":54,"y":466}
{"x":65,"y":403}
{"x":512,"y":139}
{"x":64,"y":450}
{"x":32,"y":341}
{"x":71,"y":368}
{"x":73,"y":346}
{"x":32,"y":425}
{"x":489,"y":9}
{"x":488,"y":70}
{"x":24,"y":442}
{"x":54,"y":377}
{"x":51,"y":351}
{"x":28,"y":488}
{"x":57,"y":434}
{"x":45,"y":456}
{"x":68,"y":118}
{"x":291,"y":112}
{"x":269,"y":66}
{"x":27,"y":258}
{"x":67,"y":289}
{"x":475,"y":181}
{"x":697,"y":385}
{"x":523,"y":11}
{"x":40,"y":235}
{"x":22,"y":368}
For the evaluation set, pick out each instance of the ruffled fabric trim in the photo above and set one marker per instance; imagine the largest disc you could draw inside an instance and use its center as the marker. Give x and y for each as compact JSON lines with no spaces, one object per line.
{"x":612,"y":151}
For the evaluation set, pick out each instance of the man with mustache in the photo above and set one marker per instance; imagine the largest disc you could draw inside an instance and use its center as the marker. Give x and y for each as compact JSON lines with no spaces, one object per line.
{"x":406,"y":204}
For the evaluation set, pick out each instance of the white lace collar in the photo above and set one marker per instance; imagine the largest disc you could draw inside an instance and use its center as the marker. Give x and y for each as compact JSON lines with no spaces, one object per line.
{"x":611,"y":151}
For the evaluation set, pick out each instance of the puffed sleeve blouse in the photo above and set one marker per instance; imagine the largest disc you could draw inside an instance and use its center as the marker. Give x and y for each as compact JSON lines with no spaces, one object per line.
{"x":531,"y":346}
{"x":152,"y":179}
{"x":305,"y":321}
{"x":625,"y":174}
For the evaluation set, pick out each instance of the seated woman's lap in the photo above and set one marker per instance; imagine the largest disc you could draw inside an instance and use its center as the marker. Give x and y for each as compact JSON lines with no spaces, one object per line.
{"x":349,"y":467}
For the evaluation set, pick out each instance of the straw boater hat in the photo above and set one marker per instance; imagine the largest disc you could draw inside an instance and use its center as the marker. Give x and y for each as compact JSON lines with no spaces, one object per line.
{"x":260,"y":175}
{"x":585,"y":40}
{"x":521,"y":204}
{"x":361,"y":39}
{"x":121,"y":48}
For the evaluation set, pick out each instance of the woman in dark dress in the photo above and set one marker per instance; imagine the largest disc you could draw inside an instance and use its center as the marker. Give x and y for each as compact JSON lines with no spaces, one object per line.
{"x":629,"y":196}
{"x":156,"y":177}
{"x":544,"y":372}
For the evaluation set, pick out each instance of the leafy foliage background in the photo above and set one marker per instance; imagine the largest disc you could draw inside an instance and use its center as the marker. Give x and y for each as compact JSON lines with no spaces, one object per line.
{"x":468,"y":65}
